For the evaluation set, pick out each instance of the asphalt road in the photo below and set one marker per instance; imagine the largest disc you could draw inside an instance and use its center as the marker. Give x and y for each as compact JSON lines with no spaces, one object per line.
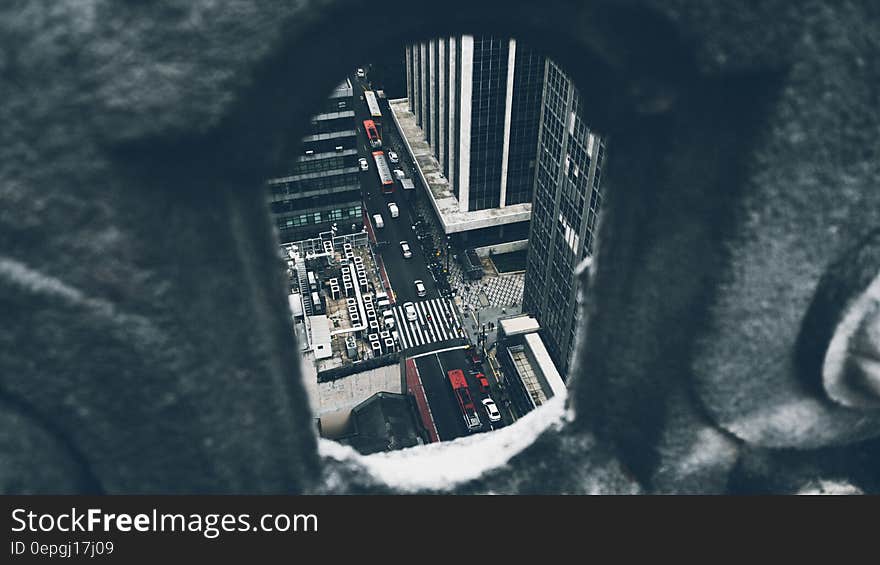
{"x":402,"y":272}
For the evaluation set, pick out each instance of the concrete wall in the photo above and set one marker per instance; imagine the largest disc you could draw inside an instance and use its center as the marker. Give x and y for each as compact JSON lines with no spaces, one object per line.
{"x":146,"y":343}
{"x":502,"y":247}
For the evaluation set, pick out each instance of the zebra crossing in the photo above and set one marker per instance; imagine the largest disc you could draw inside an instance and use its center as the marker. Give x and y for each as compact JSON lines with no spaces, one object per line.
{"x":437,"y":322}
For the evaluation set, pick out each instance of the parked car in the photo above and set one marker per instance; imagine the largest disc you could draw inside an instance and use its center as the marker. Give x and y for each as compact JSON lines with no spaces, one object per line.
{"x":388,"y":318}
{"x":420,"y":288}
{"x":492,"y":410}
{"x":407,"y":252}
{"x":409,"y":309}
{"x":392,"y":156}
{"x":473,"y":356}
{"x":361,"y":73}
{"x":395,"y":211}
{"x":377,"y":220}
{"x":364,"y":164}
{"x":483,"y":382}
{"x":399,"y":174}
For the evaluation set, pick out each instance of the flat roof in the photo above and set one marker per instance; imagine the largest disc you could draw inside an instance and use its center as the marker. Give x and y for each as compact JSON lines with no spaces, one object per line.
{"x":528,"y":377}
{"x":443,"y":198}
{"x":321,"y":337}
{"x":519,"y":325}
{"x":548,"y":369}
{"x":294,"y":300}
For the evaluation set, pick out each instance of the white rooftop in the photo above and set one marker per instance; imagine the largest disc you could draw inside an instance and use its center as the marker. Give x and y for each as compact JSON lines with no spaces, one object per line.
{"x":294,"y":300}
{"x":548,"y":369}
{"x":321,"y":337}
{"x":519,"y":325}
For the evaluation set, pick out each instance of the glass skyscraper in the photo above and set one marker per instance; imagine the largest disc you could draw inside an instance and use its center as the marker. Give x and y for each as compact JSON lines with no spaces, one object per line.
{"x":565,"y":208}
{"x":478,"y":100}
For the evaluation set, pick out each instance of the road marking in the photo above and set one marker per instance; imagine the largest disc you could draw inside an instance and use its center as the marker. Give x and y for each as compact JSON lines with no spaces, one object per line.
{"x":453,"y":348}
{"x":418,"y":328}
{"x":443,"y":324}
{"x":401,"y":329}
{"x":429,"y":328}
{"x":440,"y":317}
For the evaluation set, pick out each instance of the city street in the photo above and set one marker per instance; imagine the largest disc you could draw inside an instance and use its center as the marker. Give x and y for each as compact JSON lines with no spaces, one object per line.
{"x":439,"y":325}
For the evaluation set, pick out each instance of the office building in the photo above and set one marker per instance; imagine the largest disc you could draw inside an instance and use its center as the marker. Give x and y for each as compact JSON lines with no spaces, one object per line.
{"x":565,"y":208}
{"x":476,"y":100}
{"x":322,"y":190}
{"x":528,"y":373}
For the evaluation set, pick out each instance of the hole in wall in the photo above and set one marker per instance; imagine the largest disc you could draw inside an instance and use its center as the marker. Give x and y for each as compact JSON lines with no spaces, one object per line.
{"x":431,"y":224}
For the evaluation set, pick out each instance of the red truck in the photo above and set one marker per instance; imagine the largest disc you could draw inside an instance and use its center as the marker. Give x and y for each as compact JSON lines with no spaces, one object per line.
{"x":462,"y":393}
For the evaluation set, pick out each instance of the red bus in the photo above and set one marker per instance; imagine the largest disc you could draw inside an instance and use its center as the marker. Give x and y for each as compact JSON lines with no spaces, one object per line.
{"x":465,"y":402}
{"x":373,"y":134}
{"x":384,"y":172}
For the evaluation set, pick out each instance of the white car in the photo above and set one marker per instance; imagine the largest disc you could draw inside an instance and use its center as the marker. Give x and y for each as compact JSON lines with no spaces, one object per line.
{"x":407,"y":252}
{"x":399,"y":173}
{"x":420,"y":288}
{"x":392,"y":156}
{"x":410,"y":310}
{"x":492,"y":410}
{"x":395,"y":211}
{"x":361,"y":73}
{"x":377,"y":220}
{"x":364,"y":164}
{"x":388,"y":317}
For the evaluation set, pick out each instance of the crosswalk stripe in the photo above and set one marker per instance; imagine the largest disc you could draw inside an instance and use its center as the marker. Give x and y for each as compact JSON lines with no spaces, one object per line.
{"x":444,"y":323}
{"x":429,"y":329}
{"x":401,"y":332}
{"x":411,"y":334}
{"x":417,"y":331}
{"x":438,"y":320}
{"x":404,"y":325}
{"x":453,"y":323}
{"x":441,"y":319}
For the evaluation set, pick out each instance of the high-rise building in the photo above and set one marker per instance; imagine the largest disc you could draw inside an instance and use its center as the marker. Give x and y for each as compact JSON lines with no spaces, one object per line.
{"x":322,"y":191}
{"x":477,"y":101}
{"x":564,"y":212}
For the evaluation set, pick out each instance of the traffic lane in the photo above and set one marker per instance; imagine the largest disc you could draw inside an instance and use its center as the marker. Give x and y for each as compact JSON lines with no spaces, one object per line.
{"x":447,"y":417}
{"x":401,"y":272}
{"x":404,"y":272}
{"x":401,"y":229}
{"x":456,"y":359}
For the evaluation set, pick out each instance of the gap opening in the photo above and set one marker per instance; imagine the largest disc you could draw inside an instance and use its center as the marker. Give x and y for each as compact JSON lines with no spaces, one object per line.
{"x":431,"y":225}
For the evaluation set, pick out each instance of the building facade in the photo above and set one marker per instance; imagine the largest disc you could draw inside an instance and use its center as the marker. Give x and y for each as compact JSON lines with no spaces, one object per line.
{"x":322,"y":191}
{"x":478,"y":100}
{"x":565,"y":208}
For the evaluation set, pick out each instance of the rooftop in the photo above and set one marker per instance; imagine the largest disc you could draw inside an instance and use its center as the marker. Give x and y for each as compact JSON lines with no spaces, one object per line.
{"x":344,"y":394}
{"x":516,"y":325}
{"x":527,"y":376}
{"x":443,"y":198}
{"x":383,"y":422}
{"x":535,"y":344}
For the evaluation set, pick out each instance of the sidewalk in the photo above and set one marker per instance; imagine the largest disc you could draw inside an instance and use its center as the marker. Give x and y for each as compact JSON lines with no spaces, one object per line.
{"x":414,"y":384}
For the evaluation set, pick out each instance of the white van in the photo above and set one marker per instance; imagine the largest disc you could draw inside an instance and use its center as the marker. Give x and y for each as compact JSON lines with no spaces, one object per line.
{"x":392,"y":206}
{"x":388,"y":318}
{"x":377,"y":220}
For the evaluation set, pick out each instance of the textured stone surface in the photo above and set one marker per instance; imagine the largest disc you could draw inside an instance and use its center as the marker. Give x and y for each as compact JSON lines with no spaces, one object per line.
{"x":145,"y":343}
